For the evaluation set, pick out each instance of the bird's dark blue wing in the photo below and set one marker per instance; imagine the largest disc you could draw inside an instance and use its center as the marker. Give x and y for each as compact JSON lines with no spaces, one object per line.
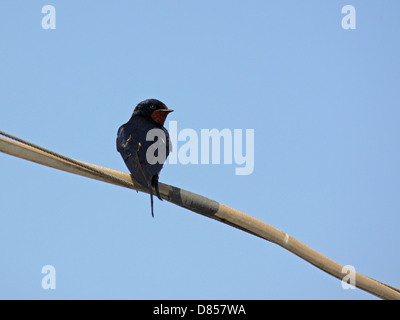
{"x":134,"y":149}
{"x":131,"y":150}
{"x":160,"y":153}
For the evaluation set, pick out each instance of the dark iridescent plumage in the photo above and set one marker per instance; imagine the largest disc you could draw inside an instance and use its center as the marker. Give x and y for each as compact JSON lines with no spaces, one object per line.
{"x":133,"y":146}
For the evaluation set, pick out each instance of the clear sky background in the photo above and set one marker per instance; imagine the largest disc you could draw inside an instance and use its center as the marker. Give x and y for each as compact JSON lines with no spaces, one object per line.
{"x":324,"y":106}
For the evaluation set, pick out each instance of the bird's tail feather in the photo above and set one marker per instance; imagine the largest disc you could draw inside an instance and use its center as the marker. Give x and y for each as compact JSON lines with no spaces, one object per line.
{"x":154,"y":183}
{"x":151,"y":202}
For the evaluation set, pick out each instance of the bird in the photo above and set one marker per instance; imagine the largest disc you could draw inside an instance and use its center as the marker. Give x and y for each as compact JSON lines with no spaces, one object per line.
{"x":144,"y":144}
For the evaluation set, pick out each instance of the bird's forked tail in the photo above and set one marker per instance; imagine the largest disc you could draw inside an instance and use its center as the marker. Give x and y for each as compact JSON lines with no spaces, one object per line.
{"x":154,"y":184}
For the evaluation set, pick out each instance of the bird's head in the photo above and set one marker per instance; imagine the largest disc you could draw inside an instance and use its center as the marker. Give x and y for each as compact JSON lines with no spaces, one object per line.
{"x":154,"y":109}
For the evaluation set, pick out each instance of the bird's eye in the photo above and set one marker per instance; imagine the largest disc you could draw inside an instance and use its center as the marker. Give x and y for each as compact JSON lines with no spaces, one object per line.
{"x":152,"y":107}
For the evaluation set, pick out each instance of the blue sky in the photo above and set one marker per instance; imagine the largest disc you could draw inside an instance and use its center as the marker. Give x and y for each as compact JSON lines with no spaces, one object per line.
{"x":323,"y":103}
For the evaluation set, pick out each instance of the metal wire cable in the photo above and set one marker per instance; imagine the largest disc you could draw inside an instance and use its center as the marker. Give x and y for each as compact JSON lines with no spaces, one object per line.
{"x":70,"y":160}
{"x":218,"y":211}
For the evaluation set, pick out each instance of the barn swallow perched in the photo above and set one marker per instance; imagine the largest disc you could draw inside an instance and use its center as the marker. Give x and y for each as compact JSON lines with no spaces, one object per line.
{"x":144,"y":155}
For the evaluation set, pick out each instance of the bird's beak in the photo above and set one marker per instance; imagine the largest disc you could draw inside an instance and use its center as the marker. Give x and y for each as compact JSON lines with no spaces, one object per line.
{"x":160,"y":115}
{"x":166,"y":110}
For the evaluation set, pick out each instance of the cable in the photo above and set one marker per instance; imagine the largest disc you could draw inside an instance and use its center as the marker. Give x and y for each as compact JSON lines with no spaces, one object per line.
{"x":207,"y":207}
{"x":70,"y":160}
